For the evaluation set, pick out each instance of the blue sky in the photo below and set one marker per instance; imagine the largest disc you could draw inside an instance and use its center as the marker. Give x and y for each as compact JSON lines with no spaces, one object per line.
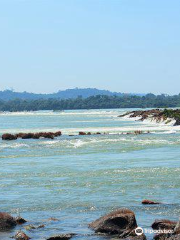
{"x":119,"y":45}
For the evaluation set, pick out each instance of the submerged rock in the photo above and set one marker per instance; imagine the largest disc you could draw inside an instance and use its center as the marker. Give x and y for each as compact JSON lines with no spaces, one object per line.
{"x":6,"y":221}
{"x":149,"y":202}
{"x":20,"y":220}
{"x":121,"y":222}
{"x":8,"y":136}
{"x":31,"y":227}
{"x":62,"y":237}
{"x":53,"y":219}
{"x":21,"y":236}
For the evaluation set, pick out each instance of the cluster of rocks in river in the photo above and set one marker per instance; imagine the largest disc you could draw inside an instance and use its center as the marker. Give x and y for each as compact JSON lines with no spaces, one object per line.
{"x":52,"y":135}
{"x":120,"y":223}
{"x":157,"y":115}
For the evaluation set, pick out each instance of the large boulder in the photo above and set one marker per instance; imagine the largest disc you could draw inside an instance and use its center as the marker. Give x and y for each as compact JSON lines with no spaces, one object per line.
{"x":6,"y":221}
{"x":174,"y":234}
{"x":8,"y":136}
{"x":164,"y":224}
{"x":121,"y":222}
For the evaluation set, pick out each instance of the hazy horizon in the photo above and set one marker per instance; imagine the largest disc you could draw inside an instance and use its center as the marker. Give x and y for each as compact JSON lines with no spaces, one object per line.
{"x":122,"y":46}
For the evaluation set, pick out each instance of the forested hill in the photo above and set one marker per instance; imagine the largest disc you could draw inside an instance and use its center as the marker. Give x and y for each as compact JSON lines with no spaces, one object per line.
{"x":93,"y":102}
{"x":65,"y":94}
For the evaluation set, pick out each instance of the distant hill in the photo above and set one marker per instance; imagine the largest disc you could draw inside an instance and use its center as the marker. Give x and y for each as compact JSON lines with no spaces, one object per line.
{"x":65,"y":94}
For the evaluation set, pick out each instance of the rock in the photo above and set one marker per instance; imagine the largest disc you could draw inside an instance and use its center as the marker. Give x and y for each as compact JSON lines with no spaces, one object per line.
{"x":164,"y":224}
{"x":48,"y":135}
{"x":21,"y":236}
{"x":98,"y":133}
{"x":6,"y":221}
{"x":20,"y":220}
{"x":177,"y":228}
{"x":62,"y":237}
{"x":27,"y":135}
{"x":82,"y":133}
{"x":121,"y":222}
{"x":175,"y":235}
{"x":8,"y":136}
{"x":167,"y":237}
{"x":53,"y":219}
{"x":149,"y":202}
{"x":30,"y":227}
{"x":57,"y":134}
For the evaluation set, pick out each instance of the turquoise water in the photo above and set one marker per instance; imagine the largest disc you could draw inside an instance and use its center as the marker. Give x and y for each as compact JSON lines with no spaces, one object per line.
{"x":76,"y":179}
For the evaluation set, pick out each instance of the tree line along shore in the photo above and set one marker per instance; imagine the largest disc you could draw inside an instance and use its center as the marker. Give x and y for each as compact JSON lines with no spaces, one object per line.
{"x":93,"y":102}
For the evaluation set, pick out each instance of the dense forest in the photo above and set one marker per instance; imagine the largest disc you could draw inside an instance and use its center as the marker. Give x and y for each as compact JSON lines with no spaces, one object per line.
{"x":93,"y":102}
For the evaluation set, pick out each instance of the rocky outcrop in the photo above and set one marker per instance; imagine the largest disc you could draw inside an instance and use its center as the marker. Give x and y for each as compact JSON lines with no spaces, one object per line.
{"x":38,"y":135}
{"x":21,"y":236}
{"x":121,"y":222}
{"x":6,"y":221}
{"x":8,"y":136}
{"x":157,"y":115}
{"x":149,"y":202}
{"x":164,"y":224}
{"x":62,"y":237}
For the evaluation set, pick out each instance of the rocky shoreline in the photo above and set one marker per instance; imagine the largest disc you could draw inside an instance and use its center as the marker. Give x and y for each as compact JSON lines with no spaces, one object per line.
{"x":166,"y":116}
{"x":121,"y":224}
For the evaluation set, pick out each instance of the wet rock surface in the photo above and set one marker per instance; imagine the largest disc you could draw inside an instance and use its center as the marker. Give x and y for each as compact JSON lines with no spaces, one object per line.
{"x":21,"y":236}
{"x":149,"y":202}
{"x":62,"y":237}
{"x":19,"y":220}
{"x":7,"y":222}
{"x":121,"y":222}
{"x":164,"y":224}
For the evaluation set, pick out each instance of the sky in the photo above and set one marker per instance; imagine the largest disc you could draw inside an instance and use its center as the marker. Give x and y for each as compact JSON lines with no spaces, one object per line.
{"x":118,"y":45}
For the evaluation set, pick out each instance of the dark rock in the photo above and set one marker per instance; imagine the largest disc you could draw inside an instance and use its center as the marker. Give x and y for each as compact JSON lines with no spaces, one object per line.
{"x":21,"y":236}
{"x":82,"y":133}
{"x":149,"y":202}
{"x":62,"y":237}
{"x":164,"y":224}
{"x":177,"y":123}
{"x":48,"y":135}
{"x":6,"y":221}
{"x":20,"y":220}
{"x":167,"y":237}
{"x":174,"y":233}
{"x":121,"y":222}
{"x":8,"y":136}
{"x":57,"y":134}
{"x":27,"y":135}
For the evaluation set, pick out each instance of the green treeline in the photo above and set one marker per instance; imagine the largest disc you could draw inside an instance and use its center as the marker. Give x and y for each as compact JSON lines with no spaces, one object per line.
{"x":93,"y":102}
